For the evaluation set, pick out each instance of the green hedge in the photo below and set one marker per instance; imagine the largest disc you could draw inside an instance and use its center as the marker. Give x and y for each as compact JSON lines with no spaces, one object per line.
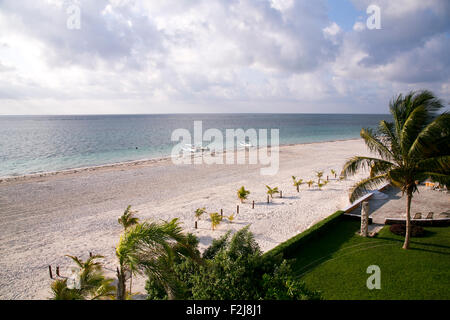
{"x":289,"y":247}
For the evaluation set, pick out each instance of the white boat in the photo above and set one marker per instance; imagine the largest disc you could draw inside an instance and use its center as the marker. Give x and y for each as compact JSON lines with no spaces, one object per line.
{"x":202,"y":148}
{"x":246,"y":144}
{"x":190,"y":148}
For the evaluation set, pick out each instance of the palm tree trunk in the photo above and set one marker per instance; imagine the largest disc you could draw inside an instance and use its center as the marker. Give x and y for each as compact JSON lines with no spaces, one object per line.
{"x":120,"y":294}
{"x":169,"y":292}
{"x":408,"y":220}
{"x":131,"y":281}
{"x":298,"y":189}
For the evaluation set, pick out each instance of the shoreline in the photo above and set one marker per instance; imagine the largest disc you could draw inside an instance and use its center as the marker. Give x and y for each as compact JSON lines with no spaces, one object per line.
{"x":127,"y":164}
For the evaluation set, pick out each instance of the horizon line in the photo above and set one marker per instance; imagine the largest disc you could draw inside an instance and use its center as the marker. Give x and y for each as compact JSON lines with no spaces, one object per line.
{"x":182,"y":113}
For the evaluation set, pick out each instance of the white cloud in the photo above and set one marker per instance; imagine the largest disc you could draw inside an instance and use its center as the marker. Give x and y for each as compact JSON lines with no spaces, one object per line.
{"x":332,"y":30}
{"x":359,"y":26}
{"x":202,"y":55}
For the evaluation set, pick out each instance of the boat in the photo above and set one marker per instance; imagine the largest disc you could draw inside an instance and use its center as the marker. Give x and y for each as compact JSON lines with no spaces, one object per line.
{"x":245,"y":144}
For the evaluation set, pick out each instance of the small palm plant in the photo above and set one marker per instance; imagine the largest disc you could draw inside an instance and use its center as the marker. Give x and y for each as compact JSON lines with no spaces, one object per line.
{"x":310,"y":183}
{"x":127,"y":219}
{"x":216,"y":219}
{"x":231,"y":218}
{"x":93,"y":284}
{"x":320,"y":185}
{"x":319,"y":175}
{"x":150,"y":249}
{"x":297,"y":183}
{"x":272,"y":191}
{"x":199,"y":212}
{"x":242,"y":194}
{"x":333,"y":172}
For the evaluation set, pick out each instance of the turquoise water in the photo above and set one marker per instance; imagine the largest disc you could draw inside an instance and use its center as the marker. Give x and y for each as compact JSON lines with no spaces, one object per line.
{"x":33,"y":144}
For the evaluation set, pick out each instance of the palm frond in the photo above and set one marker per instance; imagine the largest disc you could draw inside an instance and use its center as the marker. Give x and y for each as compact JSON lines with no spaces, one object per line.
{"x":364,"y":186}
{"x":60,"y":291}
{"x":412,"y":126}
{"x":376,"y":145}
{"x":357,"y":163}
{"x":434,"y":139}
{"x":387,"y":132}
{"x":148,"y":248}
{"x":436,"y":164}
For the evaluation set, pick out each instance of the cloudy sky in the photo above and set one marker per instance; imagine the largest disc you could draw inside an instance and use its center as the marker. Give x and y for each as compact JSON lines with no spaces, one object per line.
{"x":219,"y":55}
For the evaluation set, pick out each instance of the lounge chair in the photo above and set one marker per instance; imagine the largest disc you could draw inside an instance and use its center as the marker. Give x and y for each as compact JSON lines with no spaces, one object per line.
{"x":430,"y":215}
{"x":418,"y":215}
{"x":444,"y":215}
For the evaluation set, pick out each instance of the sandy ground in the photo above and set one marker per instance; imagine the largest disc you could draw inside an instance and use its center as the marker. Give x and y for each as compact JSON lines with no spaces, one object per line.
{"x":394,"y":206}
{"x":44,"y":218}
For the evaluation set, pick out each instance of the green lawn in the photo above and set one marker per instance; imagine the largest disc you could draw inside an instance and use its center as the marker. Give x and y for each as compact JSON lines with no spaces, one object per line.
{"x":336,"y":264}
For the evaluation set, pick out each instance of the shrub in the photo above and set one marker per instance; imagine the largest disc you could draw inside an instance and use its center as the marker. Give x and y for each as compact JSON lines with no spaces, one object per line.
{"x":199,"y":212}
{"x":235,"y":269}
{"x":242,"y":194}
{"x":400,"y":230}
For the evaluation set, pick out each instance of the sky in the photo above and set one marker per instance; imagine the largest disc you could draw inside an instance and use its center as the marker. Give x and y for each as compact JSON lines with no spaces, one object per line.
{"x":202,"y":56}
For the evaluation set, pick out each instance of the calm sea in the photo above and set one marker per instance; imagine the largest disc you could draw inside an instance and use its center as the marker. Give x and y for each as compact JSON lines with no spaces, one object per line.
{"x":33,"y":144}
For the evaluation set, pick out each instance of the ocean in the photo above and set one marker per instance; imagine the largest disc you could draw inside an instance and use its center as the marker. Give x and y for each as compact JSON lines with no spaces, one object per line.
{"x":36,"y":144}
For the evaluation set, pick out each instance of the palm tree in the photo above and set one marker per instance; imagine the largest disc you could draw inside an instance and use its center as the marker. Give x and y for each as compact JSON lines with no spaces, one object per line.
{"x":216,"y":219}
{"x":231,"y":218}
{"x":199,"y":212}
{"x":310,"y":183}
{"x":272,"y":191}
{"x":413,"y":148}
{"x":61,"y":292}
{"x":333,"y":172}
{"x":297,"y":183}
{"x":93,"y":284}
{"x":319,"y":175}
{"x":127,"y":219}
{"x":242,"y":194}
{"x":150,"y":249}
{"x":320,"y":185}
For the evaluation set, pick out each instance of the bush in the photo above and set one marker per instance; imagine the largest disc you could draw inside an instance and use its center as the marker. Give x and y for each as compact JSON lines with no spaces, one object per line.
{"x":400,"y":230}
{"x":179,"y":271}
{"x":237,"y":271}
{"x":234,"y":269}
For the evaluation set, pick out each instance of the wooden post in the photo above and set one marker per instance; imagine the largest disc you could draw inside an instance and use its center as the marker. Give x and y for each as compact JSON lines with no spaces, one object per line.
{"x":50,"y":272}
{"x":267,"y":198}
{"x":57,"y":271}
{"x":327,"y":178}
{"x":364,"y":219}
{"x":237,"y":209}
{"x":253,"y":204}
{"x":281,"y":194}
{"x":221,"y":213}
{"x":195,"y":224}
{"x":90,"y":254}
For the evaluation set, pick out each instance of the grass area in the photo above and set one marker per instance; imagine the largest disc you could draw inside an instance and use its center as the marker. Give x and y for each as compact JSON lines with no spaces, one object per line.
{"x":336,"y":264}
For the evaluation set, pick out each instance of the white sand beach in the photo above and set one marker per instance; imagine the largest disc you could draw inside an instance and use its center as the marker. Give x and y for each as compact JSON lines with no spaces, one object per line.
{"x":44,"y":218}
